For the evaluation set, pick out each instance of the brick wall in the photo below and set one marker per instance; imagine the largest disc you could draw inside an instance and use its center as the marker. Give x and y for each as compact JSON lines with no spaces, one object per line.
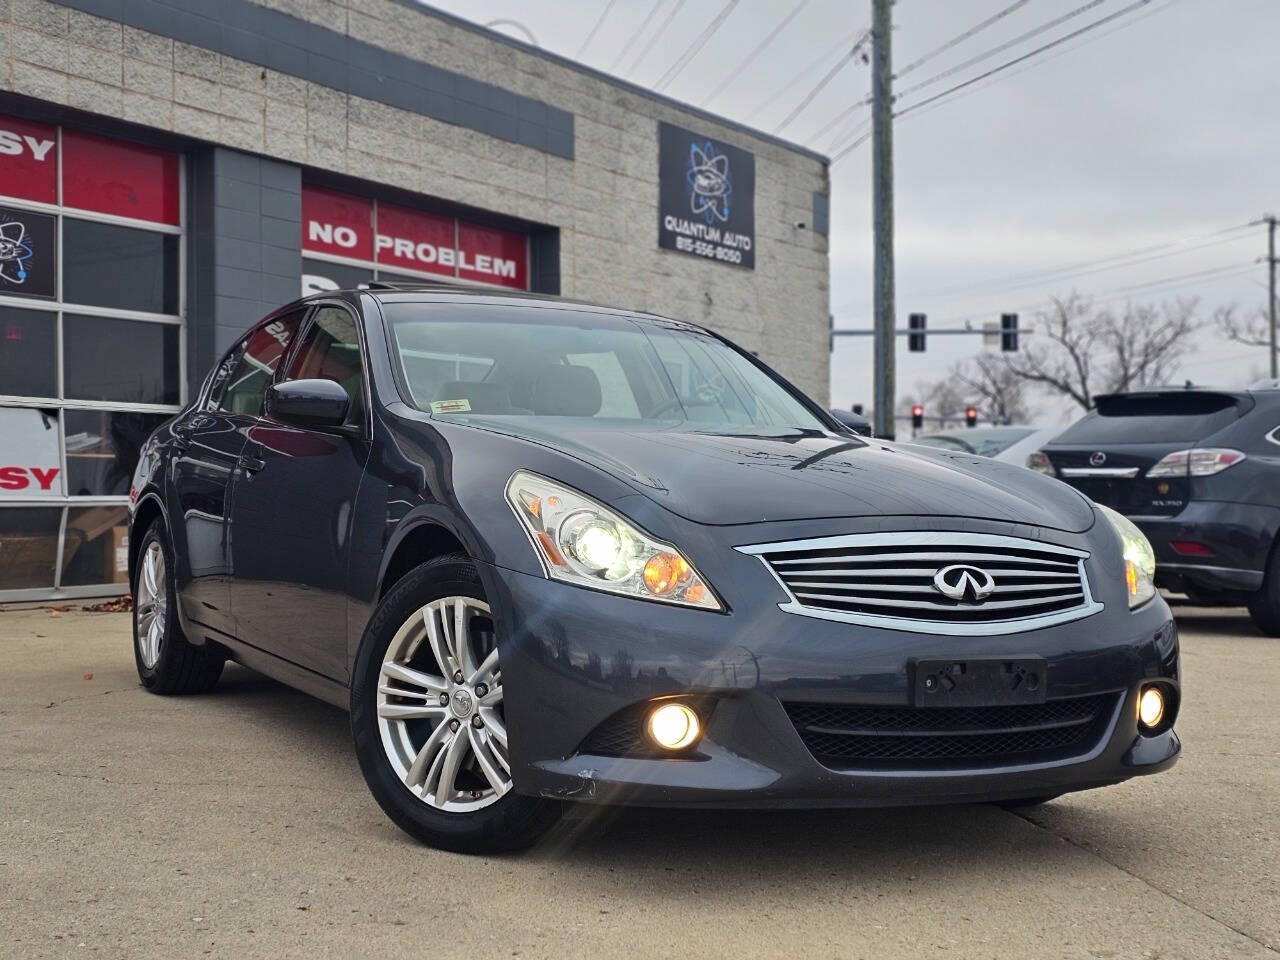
{"x":603,"y":198}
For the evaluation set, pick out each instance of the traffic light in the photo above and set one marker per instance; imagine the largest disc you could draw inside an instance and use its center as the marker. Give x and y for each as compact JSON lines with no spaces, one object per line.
{"x":1009,"y":332}
{"x":917,"y":416}
{"x":915,"y":341}
{"x":970,"y":416}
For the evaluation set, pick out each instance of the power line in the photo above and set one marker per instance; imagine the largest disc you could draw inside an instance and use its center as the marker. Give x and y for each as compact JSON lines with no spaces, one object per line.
{"x":759,"y":49}
{"x":939,"y":102}
{"x":954,"y":41}
{"x":790,"y":84}
{"x":843,"y":114}
{"x":604,"y":15}
{"x":662,"y":28}
{"x":631,"y":41}
{"x":973,"y":61}
{"x":821,"y":84}
{"x":848,"y":132}
{"x":699,"y":42}
{"x":1110,"y":262}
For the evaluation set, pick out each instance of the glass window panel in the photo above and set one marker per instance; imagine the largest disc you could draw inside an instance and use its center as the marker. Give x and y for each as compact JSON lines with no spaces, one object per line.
{"x":109,"y":266}
{"x":97,"y":546}
{"x":28,"y":353}
{"x":30,"y":458}
{"x":102,"y":449}
{"x":240,"y":382}
{"x":28,"y":546}
{"x":127,"y":361}
{"x":320,"y":275}
{"x":331,"y":351}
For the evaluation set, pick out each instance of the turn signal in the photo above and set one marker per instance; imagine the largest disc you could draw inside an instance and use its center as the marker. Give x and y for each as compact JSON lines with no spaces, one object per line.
{"x":1151,"y":708}
{"x":673,"y":726}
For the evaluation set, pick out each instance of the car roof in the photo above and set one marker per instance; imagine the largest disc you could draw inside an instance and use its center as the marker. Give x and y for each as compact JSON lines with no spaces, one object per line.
{"x":427,"y":292}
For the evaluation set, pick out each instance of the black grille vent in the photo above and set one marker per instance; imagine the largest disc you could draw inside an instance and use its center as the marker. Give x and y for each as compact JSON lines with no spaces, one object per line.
{"x":910,"y":737}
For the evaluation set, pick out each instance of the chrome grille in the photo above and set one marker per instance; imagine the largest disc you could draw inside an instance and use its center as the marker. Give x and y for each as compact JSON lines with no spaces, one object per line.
{"x":888,"y":579}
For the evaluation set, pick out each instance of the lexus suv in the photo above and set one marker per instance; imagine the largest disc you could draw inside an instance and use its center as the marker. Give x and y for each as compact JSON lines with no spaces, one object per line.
{"x":1199,"y":472}
{"x":551,"y":553}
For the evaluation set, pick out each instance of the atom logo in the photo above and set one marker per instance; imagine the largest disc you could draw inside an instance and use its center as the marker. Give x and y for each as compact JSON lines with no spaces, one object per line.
{"x":709,"y":183}
{"x":15,"y":251}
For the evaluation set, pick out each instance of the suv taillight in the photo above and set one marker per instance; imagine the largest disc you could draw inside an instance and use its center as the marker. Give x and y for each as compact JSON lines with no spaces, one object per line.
{"x":1200,"y":462}
{"x":1040,"y":463}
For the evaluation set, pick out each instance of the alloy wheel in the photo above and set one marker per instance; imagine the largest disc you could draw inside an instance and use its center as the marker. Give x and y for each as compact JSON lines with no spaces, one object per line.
{"x":152,"y":604}
{"x":440,"y":712}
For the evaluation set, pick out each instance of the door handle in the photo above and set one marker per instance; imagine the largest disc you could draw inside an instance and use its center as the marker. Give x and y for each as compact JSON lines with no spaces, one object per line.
{"x":251,"y":464}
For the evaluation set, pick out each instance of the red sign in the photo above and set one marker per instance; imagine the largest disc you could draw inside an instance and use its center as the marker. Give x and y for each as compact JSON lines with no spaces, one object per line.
{"x":493,"y":256}
{"x":404,"y":239}
{"x":28,"y":160}
{"x":415,"y":241}
{"x":122,"y":179}
{"x":337,"y":223}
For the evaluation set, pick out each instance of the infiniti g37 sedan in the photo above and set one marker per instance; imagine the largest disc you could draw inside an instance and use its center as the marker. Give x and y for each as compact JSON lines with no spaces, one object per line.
{"x":548,"y":552}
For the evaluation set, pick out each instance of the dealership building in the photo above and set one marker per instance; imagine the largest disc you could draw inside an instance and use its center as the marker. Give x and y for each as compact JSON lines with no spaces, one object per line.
{"x":171,"y":170}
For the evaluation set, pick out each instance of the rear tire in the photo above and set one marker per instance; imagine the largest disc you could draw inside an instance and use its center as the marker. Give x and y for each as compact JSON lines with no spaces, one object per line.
{"x":1264,"y":605}
{"x":433,"y":748}
{"x":167,"y":662}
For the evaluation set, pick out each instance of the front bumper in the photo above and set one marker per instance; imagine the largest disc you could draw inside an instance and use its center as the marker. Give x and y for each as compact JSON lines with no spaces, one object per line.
{"x":574,"y":658}
{"x":1239,"y":534}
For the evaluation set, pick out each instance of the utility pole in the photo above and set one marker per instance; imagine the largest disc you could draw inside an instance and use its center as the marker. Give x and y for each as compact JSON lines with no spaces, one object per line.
{"x":1271,"y":288}
{"x":882,"y":174}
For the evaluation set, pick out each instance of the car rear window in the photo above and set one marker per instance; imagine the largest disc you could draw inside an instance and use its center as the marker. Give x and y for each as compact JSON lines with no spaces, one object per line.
{"x":1153,"y":418}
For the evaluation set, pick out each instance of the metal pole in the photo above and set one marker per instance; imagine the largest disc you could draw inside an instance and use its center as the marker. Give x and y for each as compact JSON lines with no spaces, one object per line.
{"x":882,"y":174}
{"x":1271,"y":287}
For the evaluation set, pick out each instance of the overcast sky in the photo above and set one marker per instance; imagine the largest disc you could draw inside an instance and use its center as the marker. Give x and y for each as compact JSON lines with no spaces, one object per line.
{"x":1161,"y":126}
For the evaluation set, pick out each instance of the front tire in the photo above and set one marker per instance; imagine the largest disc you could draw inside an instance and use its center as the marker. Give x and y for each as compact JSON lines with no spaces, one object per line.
{"x":427,"y":716}
{"x":167,"y":662}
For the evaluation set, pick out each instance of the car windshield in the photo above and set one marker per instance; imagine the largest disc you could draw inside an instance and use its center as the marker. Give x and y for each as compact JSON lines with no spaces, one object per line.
{"x":519,"y":362}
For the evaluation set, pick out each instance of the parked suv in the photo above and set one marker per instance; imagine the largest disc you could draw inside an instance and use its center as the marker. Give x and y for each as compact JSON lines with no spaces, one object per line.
{"x":1199,"y":472}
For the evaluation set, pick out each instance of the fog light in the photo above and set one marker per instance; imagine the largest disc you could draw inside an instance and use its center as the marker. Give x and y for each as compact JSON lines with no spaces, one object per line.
{"x":1151,"y":707}
{"x":673,"y":726}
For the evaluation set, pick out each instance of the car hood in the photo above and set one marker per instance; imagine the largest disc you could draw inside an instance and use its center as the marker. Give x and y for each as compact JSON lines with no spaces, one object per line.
{"x":721,"y":480}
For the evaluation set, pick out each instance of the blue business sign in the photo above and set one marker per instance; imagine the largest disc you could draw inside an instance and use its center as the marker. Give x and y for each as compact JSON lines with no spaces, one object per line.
{"x":27,"y":254}
{"x":706,"y":197}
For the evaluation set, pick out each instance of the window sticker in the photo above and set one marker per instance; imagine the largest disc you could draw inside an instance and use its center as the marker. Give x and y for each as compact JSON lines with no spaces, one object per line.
{"x":450,"y":406}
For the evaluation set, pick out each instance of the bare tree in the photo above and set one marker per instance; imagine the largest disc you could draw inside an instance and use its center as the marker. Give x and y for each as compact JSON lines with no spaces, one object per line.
{"x":1250,"y":329}
{"x":1082,"y":351}
{"x":994,"y":388}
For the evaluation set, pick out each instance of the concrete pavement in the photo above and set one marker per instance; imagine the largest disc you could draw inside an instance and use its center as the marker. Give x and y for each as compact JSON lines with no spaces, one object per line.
{"x":237,"y":825}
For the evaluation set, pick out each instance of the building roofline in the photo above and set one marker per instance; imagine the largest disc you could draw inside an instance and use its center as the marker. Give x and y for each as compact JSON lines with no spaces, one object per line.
{"x":627,"y":85}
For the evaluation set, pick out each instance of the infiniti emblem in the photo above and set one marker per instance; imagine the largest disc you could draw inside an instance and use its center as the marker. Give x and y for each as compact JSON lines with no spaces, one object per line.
{"x":963,"y":582}
{"x":461,"y":703}
{"x":1097,"y":458}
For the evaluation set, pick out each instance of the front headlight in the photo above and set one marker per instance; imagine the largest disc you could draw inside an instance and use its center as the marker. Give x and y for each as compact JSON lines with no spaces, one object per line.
{"x":585,"y":543}
{"x":1139,"y":558}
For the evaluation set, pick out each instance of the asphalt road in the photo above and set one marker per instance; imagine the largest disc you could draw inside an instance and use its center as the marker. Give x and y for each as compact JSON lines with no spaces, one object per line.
{"x":237,"y":825}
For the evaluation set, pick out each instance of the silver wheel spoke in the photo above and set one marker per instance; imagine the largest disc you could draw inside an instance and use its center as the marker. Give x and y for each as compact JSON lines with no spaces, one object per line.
{"x":487,"y":762}
{"x":497,"y":729}
{"x":428,"y":756}
{"x":438,"y":638}
{"x":462,"y":637}
{"x":427,"y":684}
{"x":410,"y":711}
{"x":442,"y":780}
{"x":485,"y":669}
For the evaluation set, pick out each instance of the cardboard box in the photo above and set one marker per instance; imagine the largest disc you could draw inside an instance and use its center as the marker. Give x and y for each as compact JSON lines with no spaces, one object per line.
{"x":120,"y":551}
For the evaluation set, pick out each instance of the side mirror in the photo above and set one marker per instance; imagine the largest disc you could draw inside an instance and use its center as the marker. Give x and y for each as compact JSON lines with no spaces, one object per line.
{"x":308,"y":403}
{"x":852,"y":422}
